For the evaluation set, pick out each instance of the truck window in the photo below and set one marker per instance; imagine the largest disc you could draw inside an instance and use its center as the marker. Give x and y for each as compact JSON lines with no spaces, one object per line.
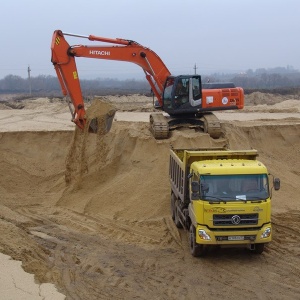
{"x":235,"y":187}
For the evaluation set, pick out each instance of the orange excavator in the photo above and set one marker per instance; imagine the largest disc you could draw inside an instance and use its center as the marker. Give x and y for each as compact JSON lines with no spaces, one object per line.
{"x":182,"y":100}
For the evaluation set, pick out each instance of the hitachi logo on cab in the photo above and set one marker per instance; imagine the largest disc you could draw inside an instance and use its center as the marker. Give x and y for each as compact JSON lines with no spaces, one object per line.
{"x":96,"y":52}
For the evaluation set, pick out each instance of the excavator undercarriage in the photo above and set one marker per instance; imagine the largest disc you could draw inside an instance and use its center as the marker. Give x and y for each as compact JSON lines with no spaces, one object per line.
{"x":161,"y":125}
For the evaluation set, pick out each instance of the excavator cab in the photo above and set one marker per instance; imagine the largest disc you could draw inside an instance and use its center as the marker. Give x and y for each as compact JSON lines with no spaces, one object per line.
{"x":182,"y":94}
{"x":190,"y":103}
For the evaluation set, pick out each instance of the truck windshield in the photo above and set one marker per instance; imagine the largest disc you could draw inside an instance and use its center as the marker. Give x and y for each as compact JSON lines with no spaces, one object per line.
{"x":234,"y":187}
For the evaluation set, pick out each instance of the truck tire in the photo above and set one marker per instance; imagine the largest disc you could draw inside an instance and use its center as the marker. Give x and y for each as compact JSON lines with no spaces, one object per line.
{"x":196,"y":249}
{"x":176,"y":216}
{"x":259,"y":248}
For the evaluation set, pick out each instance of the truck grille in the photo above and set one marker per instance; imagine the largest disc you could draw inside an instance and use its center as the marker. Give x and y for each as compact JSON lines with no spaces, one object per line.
{"x":235,"y":220}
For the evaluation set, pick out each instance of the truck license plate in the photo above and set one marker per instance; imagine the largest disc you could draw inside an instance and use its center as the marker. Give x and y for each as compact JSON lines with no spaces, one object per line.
{"x":236,"y":238}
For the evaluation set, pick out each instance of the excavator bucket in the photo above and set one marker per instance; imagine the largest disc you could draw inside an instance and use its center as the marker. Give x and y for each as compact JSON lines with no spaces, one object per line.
{"x":100,"y":116}
{"x":103,"y":124}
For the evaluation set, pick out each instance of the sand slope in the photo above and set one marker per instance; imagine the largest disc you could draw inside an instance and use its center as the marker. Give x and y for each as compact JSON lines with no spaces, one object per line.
{"x":107,"y":233}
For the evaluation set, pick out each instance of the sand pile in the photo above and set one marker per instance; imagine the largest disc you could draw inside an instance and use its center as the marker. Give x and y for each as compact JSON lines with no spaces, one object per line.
{"x":98,"y":224}
{"x":287,"y":106}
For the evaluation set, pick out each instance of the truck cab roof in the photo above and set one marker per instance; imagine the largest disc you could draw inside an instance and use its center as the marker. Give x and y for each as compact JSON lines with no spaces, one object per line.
{"x":229,"y":166}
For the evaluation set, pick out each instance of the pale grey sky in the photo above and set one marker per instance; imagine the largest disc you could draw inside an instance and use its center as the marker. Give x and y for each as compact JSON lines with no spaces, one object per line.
{"x":216,"y":35}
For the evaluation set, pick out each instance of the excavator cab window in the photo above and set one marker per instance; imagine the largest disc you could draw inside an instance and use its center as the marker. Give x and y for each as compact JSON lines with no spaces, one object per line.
{"x":181,"y":92}
{"x":167,"y":96}
{"x":196,"y":88}
{"x":176,"y":92}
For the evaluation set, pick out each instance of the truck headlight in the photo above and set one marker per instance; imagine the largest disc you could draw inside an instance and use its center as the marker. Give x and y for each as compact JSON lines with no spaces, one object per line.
{"x":203,"y":235}
{"x":266,"y":233}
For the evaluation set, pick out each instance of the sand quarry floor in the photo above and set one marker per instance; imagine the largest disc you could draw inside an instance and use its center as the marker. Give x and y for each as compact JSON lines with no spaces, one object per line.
{"x":90,"y":213}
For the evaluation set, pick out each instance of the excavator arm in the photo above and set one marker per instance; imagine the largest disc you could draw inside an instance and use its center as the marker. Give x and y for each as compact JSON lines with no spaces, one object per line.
{"x":63,"y":58}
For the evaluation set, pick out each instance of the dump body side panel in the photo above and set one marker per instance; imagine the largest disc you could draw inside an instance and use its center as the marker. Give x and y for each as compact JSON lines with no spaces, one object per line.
{"x":177,"y":170}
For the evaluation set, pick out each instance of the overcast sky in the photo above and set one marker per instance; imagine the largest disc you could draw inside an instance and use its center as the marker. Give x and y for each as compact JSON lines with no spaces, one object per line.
{"x":216,"y":35}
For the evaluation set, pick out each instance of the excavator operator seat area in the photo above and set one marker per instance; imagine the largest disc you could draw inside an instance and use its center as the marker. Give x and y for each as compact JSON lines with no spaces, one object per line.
{"x":182,"y":92}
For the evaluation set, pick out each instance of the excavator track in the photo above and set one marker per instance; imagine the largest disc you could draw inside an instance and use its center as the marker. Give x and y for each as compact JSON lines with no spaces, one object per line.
{"x":211,"y":125}
{"x":159,"y":126}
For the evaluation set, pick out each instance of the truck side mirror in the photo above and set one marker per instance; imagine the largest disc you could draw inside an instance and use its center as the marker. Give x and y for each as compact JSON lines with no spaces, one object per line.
{"x":195,"y":186}
{"x":276,"y":183}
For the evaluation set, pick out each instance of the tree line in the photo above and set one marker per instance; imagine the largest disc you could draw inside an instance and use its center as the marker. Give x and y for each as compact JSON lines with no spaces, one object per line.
{"x":278,"y":78}
{"x":49,"y":85}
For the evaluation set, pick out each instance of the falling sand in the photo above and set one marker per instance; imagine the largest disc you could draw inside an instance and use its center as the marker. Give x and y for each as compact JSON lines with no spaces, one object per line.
{"x":100,"y":112}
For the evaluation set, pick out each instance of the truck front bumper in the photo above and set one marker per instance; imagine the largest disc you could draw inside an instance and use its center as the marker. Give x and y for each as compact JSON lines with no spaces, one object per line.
{"x":238,"y":236}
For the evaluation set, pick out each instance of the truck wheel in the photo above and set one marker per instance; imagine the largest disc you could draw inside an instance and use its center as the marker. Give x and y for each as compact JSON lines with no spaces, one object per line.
{"x":196,"y":249}
{"x":259,"y":248}
{"x":173,"y":206}
{"x":176,"y":217}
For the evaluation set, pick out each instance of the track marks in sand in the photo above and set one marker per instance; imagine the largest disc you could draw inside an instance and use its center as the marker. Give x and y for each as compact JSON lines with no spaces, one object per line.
{"x":55,"y":221}
{"x":116,"y":254}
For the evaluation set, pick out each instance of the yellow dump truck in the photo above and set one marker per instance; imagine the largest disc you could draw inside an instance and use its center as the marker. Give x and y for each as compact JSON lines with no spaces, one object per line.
{"x":222,"y":197}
